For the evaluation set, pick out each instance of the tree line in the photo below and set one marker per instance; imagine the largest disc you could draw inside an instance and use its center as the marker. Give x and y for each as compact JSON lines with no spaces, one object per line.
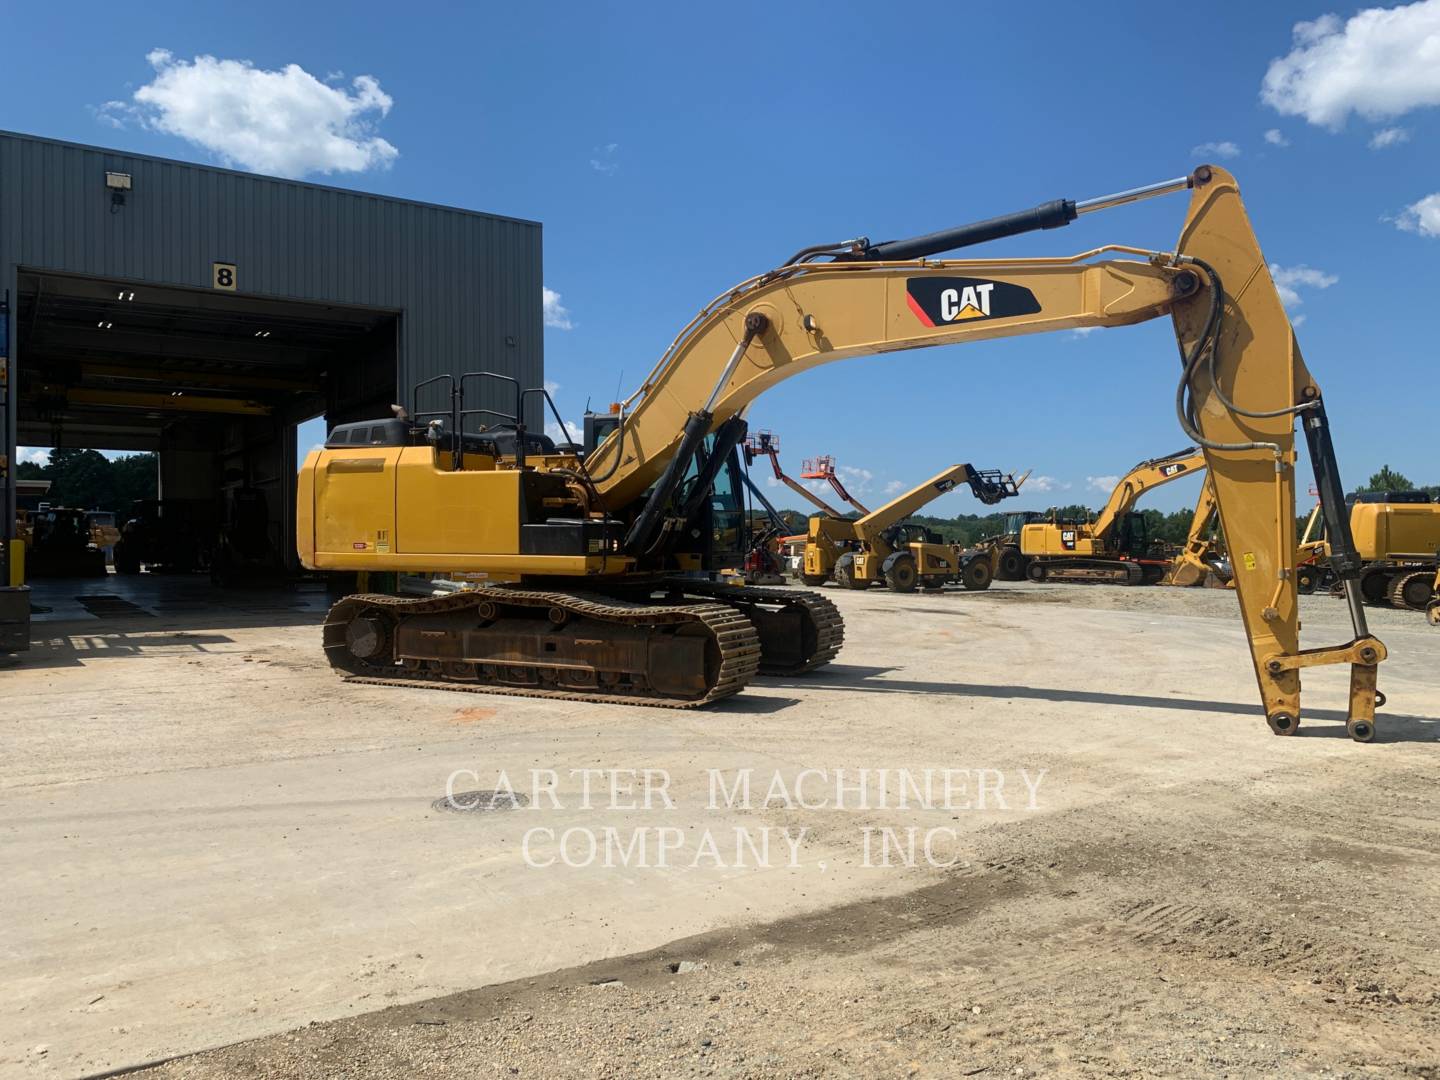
{"x":88,"y":480}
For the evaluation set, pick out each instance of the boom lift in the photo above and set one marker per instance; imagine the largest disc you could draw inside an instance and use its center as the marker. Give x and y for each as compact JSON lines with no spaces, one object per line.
{"x":767,"y":444}
{"x":1114,"y":547}
{"x":881,"y":547}
{"x":823,"y":468}
{"x":594,"y":558}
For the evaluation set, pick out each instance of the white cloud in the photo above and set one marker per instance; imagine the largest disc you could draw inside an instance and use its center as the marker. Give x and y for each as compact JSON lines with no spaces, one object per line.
{"x":1276,"y":138}
{"x":856,"y":480}
{"x":577,"y":429}
{"x":1102,"y":483}
{"x":552,"y":387}
{"x":38,"y":454}
{"x":285,"y":122}
{"x":1225,"y":149}
{"x":1421,"y":217}
{"x":894,"y":487}
{"x":557,"y":315}
{"x":605,"y":159}
{"x":1297,"y":321}
{"x":1379,"y":64}
{"x":1289,"y":280}
{"x":1388,"y":137}
{"x":1083,"y":331}
{"x":1044,"y":484}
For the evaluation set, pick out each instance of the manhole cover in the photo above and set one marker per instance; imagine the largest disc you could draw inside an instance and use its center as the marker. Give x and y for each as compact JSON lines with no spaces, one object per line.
{"x":479,"y":802}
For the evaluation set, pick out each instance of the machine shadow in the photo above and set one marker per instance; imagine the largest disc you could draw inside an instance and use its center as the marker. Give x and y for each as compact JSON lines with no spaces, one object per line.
{"x":1391,"y":727}
{"x":72,"y":645}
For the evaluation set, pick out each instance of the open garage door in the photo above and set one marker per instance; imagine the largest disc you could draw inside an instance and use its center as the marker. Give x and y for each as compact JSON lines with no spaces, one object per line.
{"x":214,"y":382}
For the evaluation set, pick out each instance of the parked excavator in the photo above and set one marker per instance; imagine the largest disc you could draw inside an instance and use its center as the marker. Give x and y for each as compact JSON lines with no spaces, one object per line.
{"x":1432,"y":609}
{"x":882,"y":547}
{"x":1198,"y":560}
{"x":598,"y":560}
{"x":1114,"y":548}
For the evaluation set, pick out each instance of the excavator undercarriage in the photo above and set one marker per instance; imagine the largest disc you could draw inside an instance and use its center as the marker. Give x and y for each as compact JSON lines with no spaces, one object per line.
{"x":684,"y":644}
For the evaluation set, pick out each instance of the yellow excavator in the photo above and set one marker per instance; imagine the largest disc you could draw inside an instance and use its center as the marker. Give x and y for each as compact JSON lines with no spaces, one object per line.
{"x":1432,"y":609}
{"x":1114,"y":548}
{"x":882,"y":547}
{"x":1196,"y":561}
{"x":595,"y":563}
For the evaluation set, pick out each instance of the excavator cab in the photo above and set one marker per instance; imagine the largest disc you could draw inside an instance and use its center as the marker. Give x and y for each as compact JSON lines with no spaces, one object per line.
{"x":1132,"y":538}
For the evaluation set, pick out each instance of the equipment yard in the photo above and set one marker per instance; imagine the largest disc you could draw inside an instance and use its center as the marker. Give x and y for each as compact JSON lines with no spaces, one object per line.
{"x":213,"y":841}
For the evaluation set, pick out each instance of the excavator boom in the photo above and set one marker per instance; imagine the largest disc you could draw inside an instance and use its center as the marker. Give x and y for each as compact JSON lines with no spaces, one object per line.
{"x":628,"y":507}
{"x":1142,"y":479}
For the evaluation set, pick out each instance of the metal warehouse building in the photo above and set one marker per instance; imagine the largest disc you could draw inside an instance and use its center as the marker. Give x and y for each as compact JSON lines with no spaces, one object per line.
{"x":204,"y":313}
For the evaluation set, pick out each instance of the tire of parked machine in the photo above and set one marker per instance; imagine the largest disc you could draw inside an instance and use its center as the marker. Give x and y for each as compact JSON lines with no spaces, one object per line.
{"x":1373,"y":586}
{"x":1413,"y":591}
{"x":1307,"y":578}
{"x":900,"y":576}
{"x":1035,"y":571}
{"x":975,"y":575}
{"x":125,"y":562}
{"x":814,"y":580}
{"x":1012,"y":565}
{"x":845,"y":574}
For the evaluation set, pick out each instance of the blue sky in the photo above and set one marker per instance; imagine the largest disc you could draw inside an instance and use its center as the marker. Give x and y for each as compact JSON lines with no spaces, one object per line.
{"x":672,"y":150}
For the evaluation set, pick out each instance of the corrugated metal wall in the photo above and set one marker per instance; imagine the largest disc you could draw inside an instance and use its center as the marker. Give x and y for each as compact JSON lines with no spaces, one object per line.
{"x":467,"y":284}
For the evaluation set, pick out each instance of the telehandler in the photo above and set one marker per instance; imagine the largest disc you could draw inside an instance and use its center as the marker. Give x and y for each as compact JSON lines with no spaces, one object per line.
{"x":597,"y":560}
{"x":883,"y":547}
{"x":1114,"y":548}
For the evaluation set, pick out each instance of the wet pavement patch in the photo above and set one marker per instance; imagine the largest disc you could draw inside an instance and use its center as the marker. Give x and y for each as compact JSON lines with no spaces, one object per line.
{"x":110,"y":606}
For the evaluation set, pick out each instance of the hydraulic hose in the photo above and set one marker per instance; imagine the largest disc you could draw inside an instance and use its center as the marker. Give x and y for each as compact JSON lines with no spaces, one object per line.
{"x":1209,"y":338}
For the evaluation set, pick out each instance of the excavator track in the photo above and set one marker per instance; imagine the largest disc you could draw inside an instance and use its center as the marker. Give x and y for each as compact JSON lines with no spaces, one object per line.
{"x":1411,"y":589}
{"x":1092,"y":572}
{"x":559,"y":645}
{"x":799,"y":631}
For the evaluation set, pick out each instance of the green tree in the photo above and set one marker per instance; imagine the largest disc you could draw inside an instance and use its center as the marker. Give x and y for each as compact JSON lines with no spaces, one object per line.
{"x":1387,"y":479}
{"x":135,"y":476}
{"x":88,"y":480}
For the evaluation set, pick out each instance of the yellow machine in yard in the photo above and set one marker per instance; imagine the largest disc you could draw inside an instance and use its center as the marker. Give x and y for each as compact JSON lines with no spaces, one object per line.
{"x":1114,"y":548}
{"x":1397,"y":538}
{"x":1197,"y":561}
{"x":596,"y":562}
{"x":882,"y":547}
{"x":1398,"y":542}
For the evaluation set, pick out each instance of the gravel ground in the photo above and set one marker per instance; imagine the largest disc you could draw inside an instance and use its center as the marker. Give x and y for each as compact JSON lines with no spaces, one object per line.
{"x":213,"y":841}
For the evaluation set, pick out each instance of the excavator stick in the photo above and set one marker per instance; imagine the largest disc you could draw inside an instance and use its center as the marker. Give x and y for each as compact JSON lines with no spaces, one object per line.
{"x":1237,"y":345}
